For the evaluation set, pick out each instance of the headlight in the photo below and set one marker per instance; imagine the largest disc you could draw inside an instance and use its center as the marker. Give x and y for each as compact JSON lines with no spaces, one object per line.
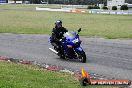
{"x":69,"y":46}
{"x":76,"y":40}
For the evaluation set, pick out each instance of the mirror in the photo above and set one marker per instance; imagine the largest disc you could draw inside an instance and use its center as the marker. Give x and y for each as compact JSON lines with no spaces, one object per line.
{"x":79,"y":29}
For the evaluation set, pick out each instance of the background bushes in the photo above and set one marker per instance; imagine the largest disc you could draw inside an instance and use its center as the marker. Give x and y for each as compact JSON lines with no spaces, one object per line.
{"x":93,"y":7}
{"x":114,"y":7}
{"x":124,"y":7}
{"x":105,"y":8}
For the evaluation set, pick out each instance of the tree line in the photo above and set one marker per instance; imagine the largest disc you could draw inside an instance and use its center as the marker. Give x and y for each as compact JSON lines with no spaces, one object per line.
{"x":74,"y":2}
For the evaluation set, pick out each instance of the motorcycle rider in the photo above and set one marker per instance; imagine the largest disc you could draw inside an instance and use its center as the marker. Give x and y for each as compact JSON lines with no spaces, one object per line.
{"x":57,"y":35}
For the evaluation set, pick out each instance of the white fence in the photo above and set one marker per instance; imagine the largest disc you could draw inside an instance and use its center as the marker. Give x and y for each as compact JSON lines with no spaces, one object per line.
{"x":49,"y":9}
{"x":121,"y":12}
{"x":17,"y":2}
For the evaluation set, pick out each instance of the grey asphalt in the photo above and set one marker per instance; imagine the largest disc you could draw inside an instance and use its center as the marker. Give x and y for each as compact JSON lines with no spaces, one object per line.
{"x":108,"y":57}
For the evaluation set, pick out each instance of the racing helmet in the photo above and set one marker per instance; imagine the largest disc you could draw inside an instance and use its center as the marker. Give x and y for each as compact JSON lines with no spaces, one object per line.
{"x":58,"y":23}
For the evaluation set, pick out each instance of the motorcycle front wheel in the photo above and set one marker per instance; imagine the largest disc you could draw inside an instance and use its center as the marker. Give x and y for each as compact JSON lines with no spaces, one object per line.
{"x":82,"y":57}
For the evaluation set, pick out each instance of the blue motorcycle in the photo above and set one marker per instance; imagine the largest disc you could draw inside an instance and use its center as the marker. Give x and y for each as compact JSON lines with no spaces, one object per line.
{"x":70,"y":46}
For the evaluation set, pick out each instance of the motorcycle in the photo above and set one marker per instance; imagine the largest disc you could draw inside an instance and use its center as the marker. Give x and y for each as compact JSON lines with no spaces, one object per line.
{"x":70,"y":46}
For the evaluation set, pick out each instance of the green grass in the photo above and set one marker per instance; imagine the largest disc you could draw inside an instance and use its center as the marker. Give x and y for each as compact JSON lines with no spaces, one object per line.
{"x":24,"y":19}
{"x":29,"y":76}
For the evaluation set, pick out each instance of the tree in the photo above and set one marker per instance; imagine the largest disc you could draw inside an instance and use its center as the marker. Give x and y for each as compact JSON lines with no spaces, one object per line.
{"x":102,"y":2}
{"x":128,"y":1}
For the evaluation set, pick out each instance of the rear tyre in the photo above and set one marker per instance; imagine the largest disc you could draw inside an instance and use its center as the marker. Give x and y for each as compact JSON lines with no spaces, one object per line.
{"x":62,"y":56}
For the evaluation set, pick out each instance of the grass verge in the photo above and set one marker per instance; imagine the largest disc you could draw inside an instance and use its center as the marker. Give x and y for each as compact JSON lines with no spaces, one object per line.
{"x":25,"y":19}
{"x":29,"y":76}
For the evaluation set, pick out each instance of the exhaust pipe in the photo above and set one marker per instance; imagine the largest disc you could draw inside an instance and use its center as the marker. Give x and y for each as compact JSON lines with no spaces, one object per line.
{"x":53,"y":50}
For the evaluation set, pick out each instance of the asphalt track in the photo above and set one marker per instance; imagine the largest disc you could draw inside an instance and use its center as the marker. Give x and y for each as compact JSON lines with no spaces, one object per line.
{"x":108,"y":57}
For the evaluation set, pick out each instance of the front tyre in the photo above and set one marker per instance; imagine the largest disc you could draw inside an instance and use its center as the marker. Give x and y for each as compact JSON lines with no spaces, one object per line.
{"x":82,"y":57}
{"x":85,"y":81}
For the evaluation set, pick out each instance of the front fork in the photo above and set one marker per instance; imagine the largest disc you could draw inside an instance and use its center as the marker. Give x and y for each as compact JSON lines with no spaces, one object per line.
{"x":78,"y":49}
{"x":73,"y":52}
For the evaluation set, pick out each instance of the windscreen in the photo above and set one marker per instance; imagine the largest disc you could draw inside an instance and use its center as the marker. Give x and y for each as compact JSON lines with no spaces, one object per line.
{"x":70,"y":34}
